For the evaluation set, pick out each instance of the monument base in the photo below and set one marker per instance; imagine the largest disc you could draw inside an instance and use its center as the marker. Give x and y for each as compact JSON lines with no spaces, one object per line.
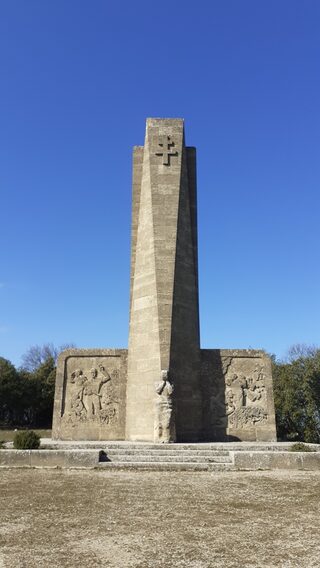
{"x":130,"y":456}
{"x":237,"y":396}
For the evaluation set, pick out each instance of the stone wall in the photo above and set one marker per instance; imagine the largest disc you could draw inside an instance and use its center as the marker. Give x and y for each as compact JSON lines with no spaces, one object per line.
{"x":90,"y":395}
{"x":237,"y":395}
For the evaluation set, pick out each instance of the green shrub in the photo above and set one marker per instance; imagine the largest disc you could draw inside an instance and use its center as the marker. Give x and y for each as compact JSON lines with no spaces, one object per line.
{"x":297,"y":395}
{"x":2,"y":442}
{"x":28,"y":440}
{"x":301,"y":447}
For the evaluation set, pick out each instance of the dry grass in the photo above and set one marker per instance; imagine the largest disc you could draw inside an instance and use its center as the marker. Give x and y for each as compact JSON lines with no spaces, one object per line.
{"x":152,"y":520}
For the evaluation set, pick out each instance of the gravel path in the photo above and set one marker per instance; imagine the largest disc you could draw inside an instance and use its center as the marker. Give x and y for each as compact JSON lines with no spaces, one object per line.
{"x":159,"y":520}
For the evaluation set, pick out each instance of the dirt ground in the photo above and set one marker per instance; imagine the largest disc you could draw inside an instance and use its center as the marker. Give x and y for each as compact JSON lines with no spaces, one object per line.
{"x":52,"y":518}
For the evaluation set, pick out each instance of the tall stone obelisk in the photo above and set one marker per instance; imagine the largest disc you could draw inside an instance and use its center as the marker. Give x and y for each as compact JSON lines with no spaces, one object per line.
{"x":164,"y":310}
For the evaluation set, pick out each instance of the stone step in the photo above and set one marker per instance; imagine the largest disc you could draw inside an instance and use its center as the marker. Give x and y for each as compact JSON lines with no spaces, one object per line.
{"x":124,"y":458}
{"x":162,"y":447}
{"x":165,"y":466}
{"x":47,"y":443}
{"x":133,"y":446}
{"x":194,"y":447}
{"x":165,"y":452}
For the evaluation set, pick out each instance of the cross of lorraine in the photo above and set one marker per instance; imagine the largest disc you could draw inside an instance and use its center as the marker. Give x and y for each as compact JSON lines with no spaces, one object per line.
{"x":166,"y":152}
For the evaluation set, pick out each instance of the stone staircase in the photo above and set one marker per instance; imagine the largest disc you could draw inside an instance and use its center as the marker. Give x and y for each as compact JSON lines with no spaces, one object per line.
{"x":123,"y":455}
{"x":165,"y":457}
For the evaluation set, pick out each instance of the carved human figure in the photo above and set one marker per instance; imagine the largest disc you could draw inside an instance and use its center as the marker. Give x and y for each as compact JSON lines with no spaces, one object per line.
{"x":237,"y":384}
{"x":256,"y":395}
{"x":230,"y":405}
{"x":164,"y":425}
{"x":109,"y":400}
{"x":78,"y":379}
{"x":91,"y":392}
{"x":256,"y":392}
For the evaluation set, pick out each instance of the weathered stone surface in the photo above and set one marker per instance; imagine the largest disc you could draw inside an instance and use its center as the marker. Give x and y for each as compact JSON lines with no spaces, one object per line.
{"x":164,"y":426}
{"x":164,"y":318}
{"x":49,"y":458}
{"x":90,"y":395}
{"x":276,"y":460}
{"x":237,"y":395}
{"x":210,"y":457}
{"x":15,"y":458}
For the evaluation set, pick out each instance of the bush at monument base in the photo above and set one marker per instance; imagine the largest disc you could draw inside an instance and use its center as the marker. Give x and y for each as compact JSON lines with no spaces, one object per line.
{"x":301,"y":447}
{"x":26,"y":440}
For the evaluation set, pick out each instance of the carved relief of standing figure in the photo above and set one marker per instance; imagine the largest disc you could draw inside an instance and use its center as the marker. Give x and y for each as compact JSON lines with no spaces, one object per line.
{"x":236,"y":384}
{"x":92,"y":393}
{"x":230,"y":405}
{"x":76,"y":403}
{"x":164,"y":426}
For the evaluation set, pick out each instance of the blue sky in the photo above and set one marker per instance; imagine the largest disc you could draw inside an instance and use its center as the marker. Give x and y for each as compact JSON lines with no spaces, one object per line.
{"x":78,"y":79}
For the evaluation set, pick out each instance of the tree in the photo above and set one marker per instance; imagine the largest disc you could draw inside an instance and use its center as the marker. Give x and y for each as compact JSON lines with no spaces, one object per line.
{"x":39,"y":370}
{"x":39,"y":354}
{"x":42,"y":384}
{"x":297,"y":395}
{"x":27,"y":394}
{"x":13,"y":394}
{"x":301,"y":350}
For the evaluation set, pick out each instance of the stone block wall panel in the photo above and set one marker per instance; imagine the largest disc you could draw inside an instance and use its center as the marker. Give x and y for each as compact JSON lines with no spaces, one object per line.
{"x":90,"y":395}
{"x":237,"y":395}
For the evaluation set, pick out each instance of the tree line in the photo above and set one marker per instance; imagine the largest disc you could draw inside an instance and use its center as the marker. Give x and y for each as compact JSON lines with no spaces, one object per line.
{"x":296,"y":385}
{"x":26,"y":393}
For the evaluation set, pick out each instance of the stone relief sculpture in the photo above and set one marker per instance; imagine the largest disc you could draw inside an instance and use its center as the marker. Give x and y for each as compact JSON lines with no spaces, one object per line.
{"x":164,"y":426}
{"x":92,"y":392}
{"x":246,"y":398}
{"x":226,"y":362}
{"x":76,"y":401}
{"x":92,"y":396}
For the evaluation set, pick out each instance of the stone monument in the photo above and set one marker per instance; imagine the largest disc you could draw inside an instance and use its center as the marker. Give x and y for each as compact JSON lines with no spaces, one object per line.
{"x":164,"y":388}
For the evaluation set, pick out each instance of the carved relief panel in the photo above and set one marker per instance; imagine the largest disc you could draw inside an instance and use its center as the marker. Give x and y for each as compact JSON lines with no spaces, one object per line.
{"x":245,"y":393}
{"x":92,"y":390}
{"x":237,"y":394}
{"x":90,"y":395}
